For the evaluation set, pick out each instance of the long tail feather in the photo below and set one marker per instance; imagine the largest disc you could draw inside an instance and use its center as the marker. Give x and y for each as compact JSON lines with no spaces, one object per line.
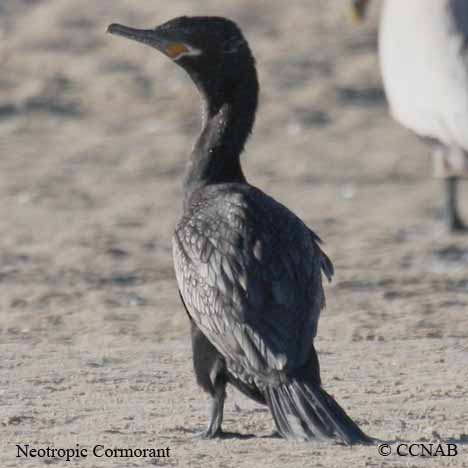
{"x":305,"y":411}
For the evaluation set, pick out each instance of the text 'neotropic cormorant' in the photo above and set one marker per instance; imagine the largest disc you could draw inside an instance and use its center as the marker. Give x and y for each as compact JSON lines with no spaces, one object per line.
{"x":248,"y":269}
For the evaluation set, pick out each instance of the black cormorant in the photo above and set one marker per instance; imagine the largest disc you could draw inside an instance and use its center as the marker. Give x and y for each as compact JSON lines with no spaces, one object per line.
{"x":248,"y":269}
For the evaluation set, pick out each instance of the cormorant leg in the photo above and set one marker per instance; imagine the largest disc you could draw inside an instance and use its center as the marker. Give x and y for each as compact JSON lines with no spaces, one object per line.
{"x":211,"y":373}
{"x":451,"y":216}
{"x":217,"y":409}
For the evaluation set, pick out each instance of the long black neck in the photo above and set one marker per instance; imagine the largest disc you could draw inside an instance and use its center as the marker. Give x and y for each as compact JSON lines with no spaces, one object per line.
{"x":228,"y":118}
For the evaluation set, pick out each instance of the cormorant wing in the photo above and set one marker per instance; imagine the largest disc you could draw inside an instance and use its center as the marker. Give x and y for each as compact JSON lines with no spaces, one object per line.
{"x":249,"y":272}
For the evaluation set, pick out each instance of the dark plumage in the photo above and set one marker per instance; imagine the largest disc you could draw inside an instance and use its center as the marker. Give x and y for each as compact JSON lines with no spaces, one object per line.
{"x":248,"y":269}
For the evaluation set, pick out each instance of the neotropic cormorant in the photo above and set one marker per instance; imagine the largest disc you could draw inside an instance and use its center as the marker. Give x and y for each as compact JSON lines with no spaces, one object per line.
{"x":248,"y":269}
{"x":423,"y":48}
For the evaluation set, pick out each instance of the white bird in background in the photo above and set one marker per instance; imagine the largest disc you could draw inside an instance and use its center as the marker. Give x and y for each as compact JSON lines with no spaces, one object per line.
{"x":423,"y":48}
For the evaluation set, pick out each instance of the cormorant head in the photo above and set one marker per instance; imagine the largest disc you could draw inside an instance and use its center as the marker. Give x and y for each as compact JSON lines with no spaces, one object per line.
{"x":212,"y":50}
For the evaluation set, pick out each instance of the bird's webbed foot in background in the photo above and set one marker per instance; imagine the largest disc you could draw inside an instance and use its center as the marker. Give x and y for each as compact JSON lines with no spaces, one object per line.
{"x":455,"y":224}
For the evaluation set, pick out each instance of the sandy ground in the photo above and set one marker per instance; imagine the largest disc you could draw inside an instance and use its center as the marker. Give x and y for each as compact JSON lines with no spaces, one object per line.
{"x":94,"y":134}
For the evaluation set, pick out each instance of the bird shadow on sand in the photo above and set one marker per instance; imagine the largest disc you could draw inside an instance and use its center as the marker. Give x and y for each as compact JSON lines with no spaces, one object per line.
{"x":462,"y":439}
{"x":371,"y":96}
{"x":226,"y":435}
{"x":236,"y":436}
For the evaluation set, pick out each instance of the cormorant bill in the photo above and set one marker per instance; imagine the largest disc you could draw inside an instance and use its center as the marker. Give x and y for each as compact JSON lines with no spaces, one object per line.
{"x":248,"y":269}
{"x":424,"y":65}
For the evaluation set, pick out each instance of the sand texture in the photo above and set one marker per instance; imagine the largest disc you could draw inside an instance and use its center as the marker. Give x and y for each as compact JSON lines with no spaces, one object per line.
{"x":94,"y":135}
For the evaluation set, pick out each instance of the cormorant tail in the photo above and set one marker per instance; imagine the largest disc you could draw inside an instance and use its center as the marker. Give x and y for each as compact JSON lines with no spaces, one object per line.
{"x":305,"y":411}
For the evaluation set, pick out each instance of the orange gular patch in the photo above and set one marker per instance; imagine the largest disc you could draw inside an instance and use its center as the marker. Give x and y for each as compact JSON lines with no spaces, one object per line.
{"x":176,"y":49}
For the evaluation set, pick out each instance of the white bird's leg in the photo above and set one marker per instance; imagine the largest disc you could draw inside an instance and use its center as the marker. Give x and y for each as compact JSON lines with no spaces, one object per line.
{"x":451,"y":215}
{"x":450,"y":164}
